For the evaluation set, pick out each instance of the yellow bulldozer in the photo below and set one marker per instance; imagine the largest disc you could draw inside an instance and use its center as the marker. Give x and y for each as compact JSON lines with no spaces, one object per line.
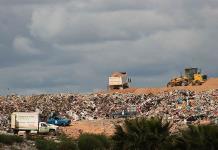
{"x":192,"y":76}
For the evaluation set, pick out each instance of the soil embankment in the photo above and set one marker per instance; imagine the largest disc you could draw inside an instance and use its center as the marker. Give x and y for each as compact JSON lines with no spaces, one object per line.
{"x":211,"y":83}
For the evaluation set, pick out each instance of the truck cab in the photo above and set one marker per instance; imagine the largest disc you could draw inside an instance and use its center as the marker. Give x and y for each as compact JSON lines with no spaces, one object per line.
{"x":47,"y":128}
{"x":59,"y":121}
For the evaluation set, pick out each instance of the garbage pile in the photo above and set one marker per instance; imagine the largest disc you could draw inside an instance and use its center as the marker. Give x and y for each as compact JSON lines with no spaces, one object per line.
{"x":178,"y":106}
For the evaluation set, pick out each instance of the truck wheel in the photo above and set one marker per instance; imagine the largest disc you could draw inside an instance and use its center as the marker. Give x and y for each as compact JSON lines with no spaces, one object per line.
{"x":198,"y":82}
{"x":10,"y":131}
{"x":169,"y":84}
{"x":52,"y":132}
{"x":193,"y":83}
{"x":15,"y":131}
{"x":184,"y":83}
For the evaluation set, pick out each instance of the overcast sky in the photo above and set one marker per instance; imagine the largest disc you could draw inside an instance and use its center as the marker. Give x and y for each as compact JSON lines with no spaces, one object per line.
{"x":74,"y":45}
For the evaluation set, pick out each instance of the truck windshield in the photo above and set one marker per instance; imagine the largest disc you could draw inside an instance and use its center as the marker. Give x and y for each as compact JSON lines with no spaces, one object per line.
{"x":44,"y":125}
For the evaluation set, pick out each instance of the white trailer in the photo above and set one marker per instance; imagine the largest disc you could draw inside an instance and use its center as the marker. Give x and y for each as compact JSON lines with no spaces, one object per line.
{"x":30,"y":123}
{"x":118,"y":80}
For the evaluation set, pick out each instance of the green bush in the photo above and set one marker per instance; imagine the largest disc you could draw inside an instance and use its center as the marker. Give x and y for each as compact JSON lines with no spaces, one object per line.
{"x":202,"y":137}
{"x":104,"y":140}
{"x":142,"y":133}
{"x":150,"y":134}
{"x":10,"y":139}
{"x":66,"y":144}
{"x":43,"y":144}
{"x":93,"y":141}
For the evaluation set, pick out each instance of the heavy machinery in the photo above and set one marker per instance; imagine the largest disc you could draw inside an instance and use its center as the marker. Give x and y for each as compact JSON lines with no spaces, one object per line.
{"x":118,"y":80}
{"x":192,"y":76}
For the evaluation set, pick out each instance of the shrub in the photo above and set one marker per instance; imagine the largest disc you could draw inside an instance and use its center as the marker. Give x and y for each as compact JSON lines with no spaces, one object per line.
{"x":10,"y":139}
{"x":67,"y":143}
{"x":104,"y":140}
{"x":43,"y":144}
{"x":202,"y":137}
{"x":93,"y":141}
{"x":64,"y":144}
{"x":142,"y":133}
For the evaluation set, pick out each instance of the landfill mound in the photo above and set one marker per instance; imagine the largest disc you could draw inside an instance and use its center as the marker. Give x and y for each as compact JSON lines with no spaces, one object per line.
{"x":211,"y":83}
{"x":177,"y":106}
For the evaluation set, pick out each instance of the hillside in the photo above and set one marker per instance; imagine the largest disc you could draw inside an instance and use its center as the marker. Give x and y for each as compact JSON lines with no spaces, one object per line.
{"x":211,"y":83}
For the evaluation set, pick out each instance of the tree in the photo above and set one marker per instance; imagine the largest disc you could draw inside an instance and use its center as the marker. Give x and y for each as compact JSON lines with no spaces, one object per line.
{"x":142,"y":133}
{"x":202,"y":137}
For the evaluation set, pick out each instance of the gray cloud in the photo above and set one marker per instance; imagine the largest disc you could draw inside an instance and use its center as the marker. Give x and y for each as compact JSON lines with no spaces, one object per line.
{"x":51,"y":46}
{"x":62,"y":25}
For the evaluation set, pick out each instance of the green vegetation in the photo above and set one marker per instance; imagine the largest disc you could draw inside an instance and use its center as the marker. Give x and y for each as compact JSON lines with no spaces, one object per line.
{"x":93,"y":141}
{"x":64,"y":144}
{"x":84,"y":142}
{"x":202,"y":137}
{"x":10,"y":139}
{"x":67,"y":143}
{"x":153,"y":134}
{"x":137,"y":134}
{"x":43,"y":144}
{"x":142,"y":133}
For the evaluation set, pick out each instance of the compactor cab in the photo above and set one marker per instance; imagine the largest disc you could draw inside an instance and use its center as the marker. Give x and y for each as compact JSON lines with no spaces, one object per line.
{"x":190,"y":72}
{"x":195,"y":76}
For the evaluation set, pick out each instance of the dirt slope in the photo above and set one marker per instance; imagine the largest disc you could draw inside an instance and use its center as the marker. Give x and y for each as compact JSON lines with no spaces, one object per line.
{"x":106,"y":127}
{"x":211,"y":83}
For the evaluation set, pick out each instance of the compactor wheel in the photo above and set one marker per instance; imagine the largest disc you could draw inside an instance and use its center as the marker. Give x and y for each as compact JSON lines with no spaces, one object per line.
{"x":170,"y":84}
{"x":184,"y":84}
{"x":193,"y":83}
{"x":198,"y":82}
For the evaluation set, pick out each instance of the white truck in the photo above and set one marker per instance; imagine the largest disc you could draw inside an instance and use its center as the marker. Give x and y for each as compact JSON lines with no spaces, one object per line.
{"x":29,"y":122}
{"x":119,"y":80}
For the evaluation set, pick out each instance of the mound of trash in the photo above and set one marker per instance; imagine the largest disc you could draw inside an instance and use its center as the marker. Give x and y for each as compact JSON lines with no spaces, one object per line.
{"x":177,"y":106}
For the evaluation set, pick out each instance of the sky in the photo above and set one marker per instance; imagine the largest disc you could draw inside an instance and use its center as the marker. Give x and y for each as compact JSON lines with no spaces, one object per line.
{"x":49,"y":46}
